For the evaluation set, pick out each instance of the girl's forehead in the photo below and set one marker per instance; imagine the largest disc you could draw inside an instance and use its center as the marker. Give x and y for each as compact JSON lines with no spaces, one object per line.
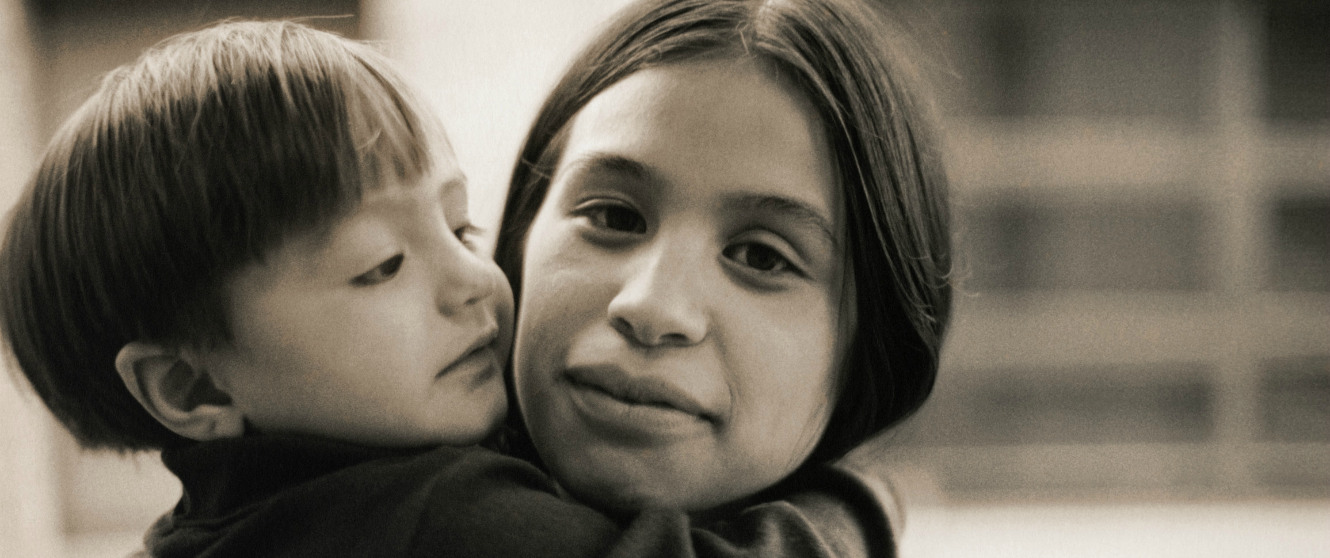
{"x":742,"y":81}
{"x":732,"y":124}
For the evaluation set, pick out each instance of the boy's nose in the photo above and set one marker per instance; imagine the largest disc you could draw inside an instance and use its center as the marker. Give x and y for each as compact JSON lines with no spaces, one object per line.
{"x":464,"y":278}
{"x":658,"y":304}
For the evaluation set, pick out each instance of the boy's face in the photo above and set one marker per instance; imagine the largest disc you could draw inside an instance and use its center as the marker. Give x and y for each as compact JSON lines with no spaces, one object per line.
{"x":391,"y":330}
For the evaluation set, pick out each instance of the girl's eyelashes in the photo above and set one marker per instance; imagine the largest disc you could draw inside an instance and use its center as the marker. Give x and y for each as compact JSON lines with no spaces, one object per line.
{"x":759,"y":257}
{"x":611,"y":221}
{"x":612,"y":215}
{"x":382,"y":272}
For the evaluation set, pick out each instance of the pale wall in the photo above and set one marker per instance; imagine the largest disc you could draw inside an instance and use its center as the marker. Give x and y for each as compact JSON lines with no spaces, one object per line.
{"x":29,"y":514}
{"x":486,"y":66}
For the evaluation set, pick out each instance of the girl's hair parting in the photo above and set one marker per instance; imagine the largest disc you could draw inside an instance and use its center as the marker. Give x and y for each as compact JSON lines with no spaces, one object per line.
{"x":184,"y":166}
{"x":847,"y":58}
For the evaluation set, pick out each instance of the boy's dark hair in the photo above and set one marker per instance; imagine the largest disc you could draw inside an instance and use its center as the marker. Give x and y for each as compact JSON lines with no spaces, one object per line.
{"x":184,"y":166}
{"x":843,"y":56}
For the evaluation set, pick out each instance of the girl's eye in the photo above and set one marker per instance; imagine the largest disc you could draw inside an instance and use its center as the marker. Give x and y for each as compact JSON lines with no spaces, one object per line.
{"x":380,"y":273}
{"x":616,"y":217}
{"x":759,"y":257}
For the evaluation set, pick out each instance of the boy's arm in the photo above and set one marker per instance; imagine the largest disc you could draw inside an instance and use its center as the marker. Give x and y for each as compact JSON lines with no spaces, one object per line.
{"x":826,"y":512}
{"x":490,"y":505}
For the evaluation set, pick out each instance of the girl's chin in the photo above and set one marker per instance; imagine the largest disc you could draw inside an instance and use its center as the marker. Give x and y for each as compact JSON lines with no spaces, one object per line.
{"x":618,"y":491}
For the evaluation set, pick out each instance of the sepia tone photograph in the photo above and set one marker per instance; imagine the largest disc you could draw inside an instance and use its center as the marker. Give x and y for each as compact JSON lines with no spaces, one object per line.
{"x":917,"y":278}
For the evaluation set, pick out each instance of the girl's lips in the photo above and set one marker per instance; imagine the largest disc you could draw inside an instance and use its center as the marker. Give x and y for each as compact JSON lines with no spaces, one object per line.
{"x":615,"y":383}
{"x":634,"y":410}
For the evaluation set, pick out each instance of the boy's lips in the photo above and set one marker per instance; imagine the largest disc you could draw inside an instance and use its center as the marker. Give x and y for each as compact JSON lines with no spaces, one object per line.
{"x":479,"y":353}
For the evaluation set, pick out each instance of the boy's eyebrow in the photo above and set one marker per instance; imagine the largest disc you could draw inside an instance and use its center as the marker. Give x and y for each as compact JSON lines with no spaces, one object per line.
{"x":455,"y":184}
{"x":452,"y":182}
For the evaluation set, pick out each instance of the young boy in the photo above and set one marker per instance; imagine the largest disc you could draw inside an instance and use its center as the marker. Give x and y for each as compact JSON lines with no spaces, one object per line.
{"x":250,"y":249}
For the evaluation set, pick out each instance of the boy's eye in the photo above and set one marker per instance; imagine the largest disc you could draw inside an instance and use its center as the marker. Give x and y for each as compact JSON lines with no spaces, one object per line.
{"x":758,"y":256}
{"x":615,"y":217}
{"x":380,"y":273}
{"x":467,"y":234}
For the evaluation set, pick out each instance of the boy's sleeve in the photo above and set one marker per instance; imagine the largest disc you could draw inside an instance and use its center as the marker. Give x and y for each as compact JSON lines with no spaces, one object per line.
{"x":486,"y":504}
{"x":826,"y":512}
{"x":490,"y":505}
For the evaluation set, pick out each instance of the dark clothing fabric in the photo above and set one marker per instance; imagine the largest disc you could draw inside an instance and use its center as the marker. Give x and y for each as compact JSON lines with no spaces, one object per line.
{"x":286,"y":496}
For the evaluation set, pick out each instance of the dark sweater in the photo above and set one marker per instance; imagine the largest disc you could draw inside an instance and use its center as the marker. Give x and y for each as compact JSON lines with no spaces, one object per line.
{"x":286,"y":496}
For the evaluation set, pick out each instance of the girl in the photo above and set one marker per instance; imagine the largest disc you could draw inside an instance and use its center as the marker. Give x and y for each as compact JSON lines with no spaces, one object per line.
{"x":727,"y":233}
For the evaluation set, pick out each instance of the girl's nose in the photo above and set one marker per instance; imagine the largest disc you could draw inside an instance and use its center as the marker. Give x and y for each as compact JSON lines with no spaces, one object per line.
{"x":658,"y":304}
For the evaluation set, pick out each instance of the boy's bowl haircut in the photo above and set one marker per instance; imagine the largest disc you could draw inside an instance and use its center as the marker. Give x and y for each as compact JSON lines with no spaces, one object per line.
{"x":182,"y":167}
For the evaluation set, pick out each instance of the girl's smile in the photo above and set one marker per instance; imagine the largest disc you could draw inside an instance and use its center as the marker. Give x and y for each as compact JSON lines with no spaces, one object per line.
{"x":635,"y":410}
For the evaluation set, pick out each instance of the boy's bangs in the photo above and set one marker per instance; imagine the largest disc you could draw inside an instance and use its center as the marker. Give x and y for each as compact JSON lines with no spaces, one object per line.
{"x":388,"y":129}
{"x":186,"y":165}
{"x":280,"y":135}
{"x":345,"y":122}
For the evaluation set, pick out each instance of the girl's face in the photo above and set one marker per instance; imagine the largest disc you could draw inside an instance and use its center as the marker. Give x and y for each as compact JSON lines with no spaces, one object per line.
{"x":681,"y":323}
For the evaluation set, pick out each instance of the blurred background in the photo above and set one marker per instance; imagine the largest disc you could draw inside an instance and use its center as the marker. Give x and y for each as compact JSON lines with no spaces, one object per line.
{"x":1140,"y":356}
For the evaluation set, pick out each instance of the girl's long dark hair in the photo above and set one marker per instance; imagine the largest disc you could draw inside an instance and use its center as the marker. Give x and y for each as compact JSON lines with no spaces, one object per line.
{"x":847,"y":59}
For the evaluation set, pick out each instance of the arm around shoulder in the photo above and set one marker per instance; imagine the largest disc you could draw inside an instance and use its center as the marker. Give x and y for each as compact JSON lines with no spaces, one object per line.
{"x":486,"y":504}
{"x":825,"y":511}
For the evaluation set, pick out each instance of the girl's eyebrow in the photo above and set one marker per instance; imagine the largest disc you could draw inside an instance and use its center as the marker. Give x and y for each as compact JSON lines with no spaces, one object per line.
{"x":797,"y":210}
{"x":597,"y":162}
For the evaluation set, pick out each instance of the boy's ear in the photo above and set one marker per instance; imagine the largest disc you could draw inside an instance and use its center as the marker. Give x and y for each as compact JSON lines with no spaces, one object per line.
{"x":178,"y":393}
